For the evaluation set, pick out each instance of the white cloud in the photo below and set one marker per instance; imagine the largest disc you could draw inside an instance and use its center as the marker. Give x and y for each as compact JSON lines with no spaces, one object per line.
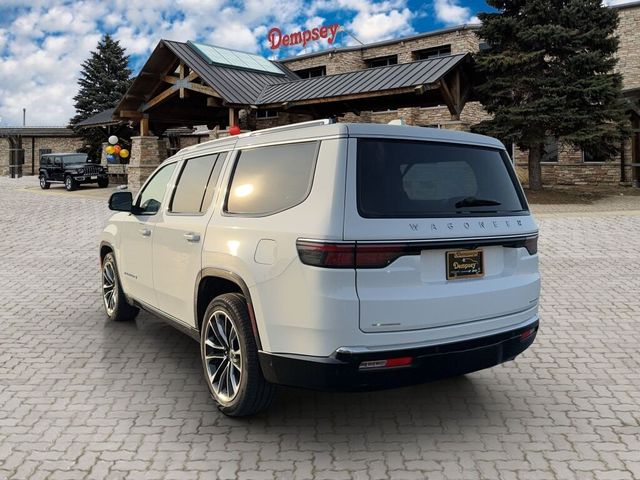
{"x":44,"y":42}
{"x":449,"y":12}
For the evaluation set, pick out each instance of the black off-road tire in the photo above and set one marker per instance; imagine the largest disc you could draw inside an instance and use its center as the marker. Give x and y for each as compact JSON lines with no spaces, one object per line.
{"x":70,"y":184}
{"x":119,"y":310}
{"x":103,"y":183}
{"x":254,"y":393}
{"x":43,"y":182}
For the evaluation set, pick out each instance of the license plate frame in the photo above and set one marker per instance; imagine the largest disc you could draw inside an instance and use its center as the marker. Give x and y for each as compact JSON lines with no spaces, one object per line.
{"x":461,"y":264}
{"x":94,"y":177}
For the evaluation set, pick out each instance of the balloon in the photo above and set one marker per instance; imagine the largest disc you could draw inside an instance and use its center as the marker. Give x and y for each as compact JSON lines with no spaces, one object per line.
{"x":116,"y":149}
{"x":113,"y":139}
{"x":234,"y":130}
{"x":111,"y":158}
{"x":109,"y":150}
{"x":124,"y":153}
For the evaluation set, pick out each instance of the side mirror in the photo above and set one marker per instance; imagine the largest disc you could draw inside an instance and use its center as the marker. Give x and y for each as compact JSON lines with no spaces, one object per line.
{"x":121,"y":202}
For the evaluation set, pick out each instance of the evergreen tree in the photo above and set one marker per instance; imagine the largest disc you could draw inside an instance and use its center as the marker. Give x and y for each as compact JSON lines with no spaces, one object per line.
{"x":104,"y":79}
{"x":549,"y":71}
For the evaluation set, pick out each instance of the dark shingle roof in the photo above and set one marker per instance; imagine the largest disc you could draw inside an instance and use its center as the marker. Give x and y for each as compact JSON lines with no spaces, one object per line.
{"x":38,"y":131}
{"x":235,"y":85}
{"x":404,"y":75}
{"x":102,"y":118}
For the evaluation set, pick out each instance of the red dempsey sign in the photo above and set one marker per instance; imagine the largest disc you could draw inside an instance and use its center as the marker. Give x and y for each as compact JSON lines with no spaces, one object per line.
{"x":277,"y":39}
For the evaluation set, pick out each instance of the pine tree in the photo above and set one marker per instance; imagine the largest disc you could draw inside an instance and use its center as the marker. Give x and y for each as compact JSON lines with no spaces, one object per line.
{"x":104,"y":79}
{"x":549,"y":71}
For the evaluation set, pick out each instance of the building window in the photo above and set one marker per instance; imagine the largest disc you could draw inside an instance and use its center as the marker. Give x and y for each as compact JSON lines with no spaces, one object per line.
{"x":550,"y":152}
{"x":44,"y":151}
{"x":312,"y":72}
{"x":592,"y":157}
{"x":441,"y":51}
{"x":267,"y":114}
{"x":382,"y":61}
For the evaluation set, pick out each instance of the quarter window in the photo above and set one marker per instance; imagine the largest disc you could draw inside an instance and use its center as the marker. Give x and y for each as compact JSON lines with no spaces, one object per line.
{"x":150,"y":199}
{"x":271,"y":179}
{"x":193,"y":185}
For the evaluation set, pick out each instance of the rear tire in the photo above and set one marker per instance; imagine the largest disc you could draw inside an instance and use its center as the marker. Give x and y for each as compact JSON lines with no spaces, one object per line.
{"x":103,"y":183}
{"x":43,"y":182}
{"x":113,"y":298}
{"x":70,"y":184}
{"x":229,"y":357}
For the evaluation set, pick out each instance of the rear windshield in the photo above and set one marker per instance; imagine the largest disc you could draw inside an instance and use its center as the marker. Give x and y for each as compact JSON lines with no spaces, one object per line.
{"x":399,"y":178}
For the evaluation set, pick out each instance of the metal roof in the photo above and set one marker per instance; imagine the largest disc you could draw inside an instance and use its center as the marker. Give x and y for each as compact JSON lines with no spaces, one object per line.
{"x":38,"y":131}
{"x":392,"y":77}
{"x":99,"y":119}
{"x":234,"y":85}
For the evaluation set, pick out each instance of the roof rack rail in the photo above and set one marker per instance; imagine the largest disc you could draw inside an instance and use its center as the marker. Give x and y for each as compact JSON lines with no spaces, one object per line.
{"x":293,"y":126}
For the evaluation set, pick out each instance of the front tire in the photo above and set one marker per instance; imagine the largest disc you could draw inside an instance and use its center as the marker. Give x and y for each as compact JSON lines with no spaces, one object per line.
{"x":230,"y":358}
{"x":43,"y":182}
{"x":70,"y":184}
{"x":113,"y":298}
{"x":103,"y":182}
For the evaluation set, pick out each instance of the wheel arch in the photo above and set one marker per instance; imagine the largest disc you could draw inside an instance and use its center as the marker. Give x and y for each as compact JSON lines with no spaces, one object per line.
{"x":105,"y":247}
{"x":212,"y":282}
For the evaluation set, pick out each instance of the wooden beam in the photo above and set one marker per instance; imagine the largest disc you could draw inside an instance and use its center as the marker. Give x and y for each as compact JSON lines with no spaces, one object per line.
{"x":202,"y":89}
{"x":159,"y":98}
{"x":213,"y":102}
{"x":131,"y":114}
{"x":181,"y":69}
{"x":233,"y":117}
{"x":449,"y":100}
{"x":144,"y":126}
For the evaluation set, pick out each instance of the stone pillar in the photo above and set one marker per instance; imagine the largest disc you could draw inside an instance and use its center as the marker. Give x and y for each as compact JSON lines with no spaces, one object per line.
{"x":103,"y":154}
{"x":146,"y":154}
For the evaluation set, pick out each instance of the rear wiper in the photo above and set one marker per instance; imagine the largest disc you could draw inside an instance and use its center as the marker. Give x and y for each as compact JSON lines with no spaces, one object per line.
{"x":476,"y":202}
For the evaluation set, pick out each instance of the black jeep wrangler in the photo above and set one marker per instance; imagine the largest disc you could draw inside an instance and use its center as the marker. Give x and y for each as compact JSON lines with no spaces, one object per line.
{"x":72,"y":169}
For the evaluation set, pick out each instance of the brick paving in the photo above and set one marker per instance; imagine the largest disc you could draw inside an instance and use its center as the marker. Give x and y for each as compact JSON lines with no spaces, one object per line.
{"x":84,"y":398}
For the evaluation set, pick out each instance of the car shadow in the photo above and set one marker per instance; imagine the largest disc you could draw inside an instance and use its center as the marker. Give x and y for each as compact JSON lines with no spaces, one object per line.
{"x":439,"y":406}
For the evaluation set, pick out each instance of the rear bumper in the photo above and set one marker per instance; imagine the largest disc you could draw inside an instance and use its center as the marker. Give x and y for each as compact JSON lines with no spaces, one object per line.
{"x":342,"y":372}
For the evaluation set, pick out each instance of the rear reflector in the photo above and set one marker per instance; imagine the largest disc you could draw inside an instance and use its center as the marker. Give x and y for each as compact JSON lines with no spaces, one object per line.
{"x":527,"y":333}
{"x":388,"y":363}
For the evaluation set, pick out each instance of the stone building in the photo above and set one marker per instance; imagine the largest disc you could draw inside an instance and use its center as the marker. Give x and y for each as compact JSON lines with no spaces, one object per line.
{"x":28,"y":143}
{"x":425,"y":80}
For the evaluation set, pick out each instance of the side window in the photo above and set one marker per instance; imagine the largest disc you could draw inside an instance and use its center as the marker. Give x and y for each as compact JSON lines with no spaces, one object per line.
{"x":268,"y":180}
{"x":213,"y":181}
{"x":150,"y":199}
{"x":57,"y":161}
{"x":193,"y":185}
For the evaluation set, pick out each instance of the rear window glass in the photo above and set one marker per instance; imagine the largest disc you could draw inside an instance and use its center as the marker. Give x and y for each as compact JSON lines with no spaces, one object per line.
{"x":271,"y":179}
{"x":423,"y":179}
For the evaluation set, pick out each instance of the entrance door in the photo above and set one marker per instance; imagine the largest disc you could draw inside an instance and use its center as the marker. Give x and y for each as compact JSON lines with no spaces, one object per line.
{"x":137,"y":233}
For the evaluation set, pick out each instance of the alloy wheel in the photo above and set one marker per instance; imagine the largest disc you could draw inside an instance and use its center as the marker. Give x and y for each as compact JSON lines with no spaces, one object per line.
{"x":223,"y":356}
{"x":109,"y":287}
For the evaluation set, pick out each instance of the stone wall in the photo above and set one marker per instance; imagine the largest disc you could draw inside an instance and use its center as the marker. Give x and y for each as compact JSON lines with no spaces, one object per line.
{"x":4,"y":157}
{"x":463,"y":40}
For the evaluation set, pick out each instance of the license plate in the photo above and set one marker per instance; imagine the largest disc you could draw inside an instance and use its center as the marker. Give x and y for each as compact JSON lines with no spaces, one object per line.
{"x":94,"y":177}
{"x":464,"y":264}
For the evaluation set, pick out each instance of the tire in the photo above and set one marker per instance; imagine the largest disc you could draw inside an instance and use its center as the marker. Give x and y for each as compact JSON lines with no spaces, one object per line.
{"x":222,"y":365}
{"x":115,"y":303}
{"x":103,"y":183}
{"x":43,"y":182}
{"x":70,"y":184}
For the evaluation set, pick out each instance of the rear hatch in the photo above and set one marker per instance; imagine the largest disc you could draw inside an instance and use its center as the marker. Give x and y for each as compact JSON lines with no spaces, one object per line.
{"x":442,"y":235}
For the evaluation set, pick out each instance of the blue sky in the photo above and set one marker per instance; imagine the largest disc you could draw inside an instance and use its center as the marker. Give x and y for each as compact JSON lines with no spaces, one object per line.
{"x":44,"y":42}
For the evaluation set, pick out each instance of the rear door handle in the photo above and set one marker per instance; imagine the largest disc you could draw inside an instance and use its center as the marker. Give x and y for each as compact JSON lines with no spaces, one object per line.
{"x":192,"y":237}
{"x":145,"y":232}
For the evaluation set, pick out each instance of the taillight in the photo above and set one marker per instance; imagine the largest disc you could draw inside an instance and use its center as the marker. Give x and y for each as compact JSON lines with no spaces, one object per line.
{"x":351,"y":255}
{"x":388,"y":363}
{"x":531,"y":244}
{"x":327,"y":255}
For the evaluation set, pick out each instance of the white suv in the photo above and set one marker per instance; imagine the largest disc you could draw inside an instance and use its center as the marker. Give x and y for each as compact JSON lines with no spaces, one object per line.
{"x":330,"y":256}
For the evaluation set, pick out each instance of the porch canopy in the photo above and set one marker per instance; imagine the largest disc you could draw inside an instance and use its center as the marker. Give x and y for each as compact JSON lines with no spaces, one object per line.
{"x":188,"y":84}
